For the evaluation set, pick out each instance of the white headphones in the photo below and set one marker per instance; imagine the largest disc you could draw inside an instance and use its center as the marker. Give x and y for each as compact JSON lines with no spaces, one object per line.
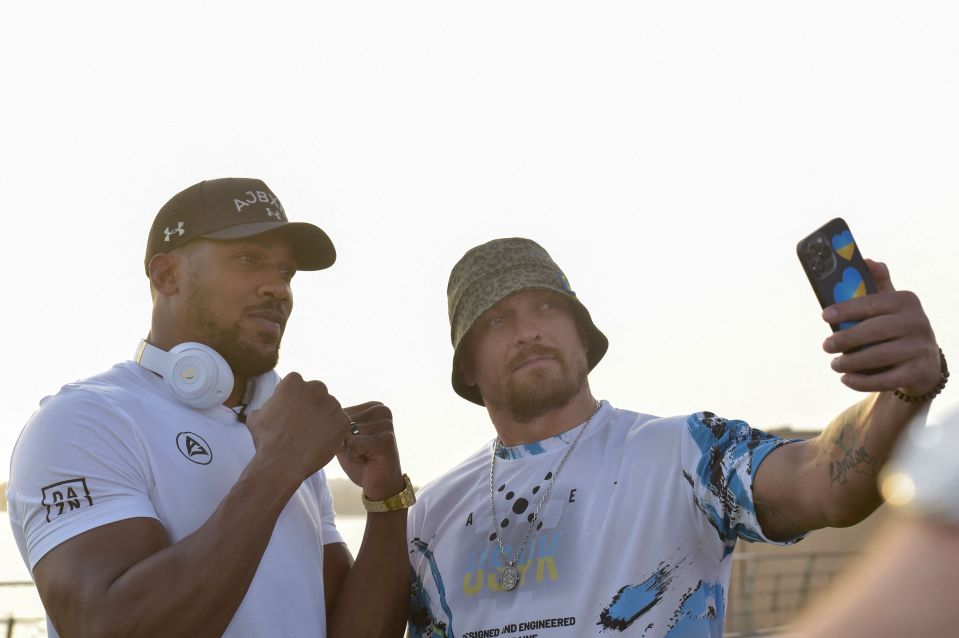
{"x":196,"y":374}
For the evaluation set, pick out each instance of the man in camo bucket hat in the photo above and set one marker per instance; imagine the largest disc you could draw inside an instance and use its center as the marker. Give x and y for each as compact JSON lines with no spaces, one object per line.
{"x":581,"y":519}
{"x":495,"y":270}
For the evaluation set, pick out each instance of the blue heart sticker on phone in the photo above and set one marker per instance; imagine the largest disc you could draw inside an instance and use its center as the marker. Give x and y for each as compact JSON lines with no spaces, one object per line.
{"x":844,"y":245}
{"x":851,"y":286}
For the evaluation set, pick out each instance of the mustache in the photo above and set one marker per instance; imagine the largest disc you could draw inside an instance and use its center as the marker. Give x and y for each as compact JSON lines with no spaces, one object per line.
{"x":272,"y":309}
{"x":533,"y":351}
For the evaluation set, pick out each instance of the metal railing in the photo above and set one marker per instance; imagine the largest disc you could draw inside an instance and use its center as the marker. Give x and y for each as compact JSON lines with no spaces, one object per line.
{"x":766,"y":593}
{"x":12,"y":623}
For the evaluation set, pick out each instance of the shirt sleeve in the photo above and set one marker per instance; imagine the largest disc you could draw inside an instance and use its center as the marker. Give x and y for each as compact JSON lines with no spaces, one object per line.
{"x":78,"y":464}
{"x":720,"y":459}
{"x":327,"y":513}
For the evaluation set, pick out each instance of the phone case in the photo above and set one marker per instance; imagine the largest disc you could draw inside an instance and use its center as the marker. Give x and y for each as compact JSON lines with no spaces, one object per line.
{"x":834,"y":266}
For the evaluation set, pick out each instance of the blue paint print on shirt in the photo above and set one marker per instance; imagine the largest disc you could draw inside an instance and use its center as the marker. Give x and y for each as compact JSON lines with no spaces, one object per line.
{"x":701,"y":613}
{"x":423,"y":624}
{"x":632,"y":601}
{"x":731,"y":451}
{"x":539,"y":447}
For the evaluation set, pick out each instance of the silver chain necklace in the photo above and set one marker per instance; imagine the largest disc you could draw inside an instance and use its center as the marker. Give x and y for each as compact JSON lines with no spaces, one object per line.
{"x":510,"y":577}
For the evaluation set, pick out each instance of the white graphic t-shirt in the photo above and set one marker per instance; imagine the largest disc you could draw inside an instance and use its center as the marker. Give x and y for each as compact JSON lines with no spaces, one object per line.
{"x":635,"y":538}
{"x":119,"y":445}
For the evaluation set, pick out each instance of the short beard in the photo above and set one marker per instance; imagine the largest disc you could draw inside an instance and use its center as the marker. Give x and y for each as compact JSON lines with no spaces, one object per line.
{"x":245,"y":360}
{"x":537,"y":395}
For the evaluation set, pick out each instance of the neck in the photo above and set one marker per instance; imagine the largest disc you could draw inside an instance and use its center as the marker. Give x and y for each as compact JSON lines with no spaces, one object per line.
{"x":512,"y":432}
{"x":239,"y":390}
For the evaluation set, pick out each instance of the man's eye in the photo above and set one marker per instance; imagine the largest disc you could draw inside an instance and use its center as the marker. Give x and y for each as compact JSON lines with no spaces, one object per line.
{"x":498,"y":320}
{"x":247,"y":260}
{"x":288,"y":273}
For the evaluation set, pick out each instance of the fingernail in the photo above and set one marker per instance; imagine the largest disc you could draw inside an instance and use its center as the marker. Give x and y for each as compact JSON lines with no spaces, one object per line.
{"x":828,"y":345}
{"x":834,"y":364}
{"x":830,"y":315}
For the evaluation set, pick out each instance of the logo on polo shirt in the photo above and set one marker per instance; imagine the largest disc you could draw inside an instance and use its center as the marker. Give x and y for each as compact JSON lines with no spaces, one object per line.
{"x":66,"y":496}
{"x":194,"y":448}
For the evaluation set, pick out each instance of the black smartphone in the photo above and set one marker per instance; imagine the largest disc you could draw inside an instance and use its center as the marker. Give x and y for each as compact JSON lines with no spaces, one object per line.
{"x":834,"y":265}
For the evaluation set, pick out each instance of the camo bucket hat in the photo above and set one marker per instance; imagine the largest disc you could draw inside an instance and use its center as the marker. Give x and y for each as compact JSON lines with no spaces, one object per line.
{"x":495,"y":270}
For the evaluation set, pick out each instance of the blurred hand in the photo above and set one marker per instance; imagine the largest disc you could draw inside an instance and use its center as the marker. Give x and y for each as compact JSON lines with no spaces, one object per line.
{"x":371,"y":458}
{"x":896,"y":334}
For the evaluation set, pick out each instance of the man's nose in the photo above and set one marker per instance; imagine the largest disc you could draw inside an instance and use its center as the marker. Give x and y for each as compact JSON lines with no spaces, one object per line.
{"x":276,"y":286}
{"x":527,"y":330}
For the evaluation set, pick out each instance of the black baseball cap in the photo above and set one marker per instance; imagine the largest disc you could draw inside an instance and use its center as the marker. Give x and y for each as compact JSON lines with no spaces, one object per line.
{"x":232,"y":208}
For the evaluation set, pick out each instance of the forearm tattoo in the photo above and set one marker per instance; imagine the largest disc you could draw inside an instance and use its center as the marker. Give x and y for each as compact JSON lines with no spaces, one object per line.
{"x":850,"y":459}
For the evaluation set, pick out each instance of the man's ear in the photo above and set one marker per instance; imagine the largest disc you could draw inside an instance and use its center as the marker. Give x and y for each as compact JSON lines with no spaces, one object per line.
{"x":164,"y":273}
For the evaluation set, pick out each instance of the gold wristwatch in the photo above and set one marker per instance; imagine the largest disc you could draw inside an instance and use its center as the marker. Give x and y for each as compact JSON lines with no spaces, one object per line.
{"x":399,"y":501}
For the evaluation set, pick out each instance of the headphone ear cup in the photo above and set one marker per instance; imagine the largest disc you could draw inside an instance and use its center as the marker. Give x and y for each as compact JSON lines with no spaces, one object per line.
{"x":198,"y":375}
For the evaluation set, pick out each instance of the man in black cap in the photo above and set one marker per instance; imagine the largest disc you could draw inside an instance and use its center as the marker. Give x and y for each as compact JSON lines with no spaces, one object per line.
{"x":582,"y":519}
{"x":183,"y":493}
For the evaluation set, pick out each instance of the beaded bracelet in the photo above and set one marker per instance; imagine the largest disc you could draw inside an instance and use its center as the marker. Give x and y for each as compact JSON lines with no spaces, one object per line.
{"x":943,"y":378}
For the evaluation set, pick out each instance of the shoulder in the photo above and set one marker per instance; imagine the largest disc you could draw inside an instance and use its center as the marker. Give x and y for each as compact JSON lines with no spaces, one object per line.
{"x":110,"y":388}
{"x":81,"y":409}
{"x":702,"y":433}
{"x":455,"y":479}
{"x":638,"y":426}
{"x":710,"y":430}
{"x":443,"y":497}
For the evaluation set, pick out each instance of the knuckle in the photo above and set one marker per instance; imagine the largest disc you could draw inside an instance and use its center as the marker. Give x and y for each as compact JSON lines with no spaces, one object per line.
{"x":872,"y":304}
{"x":910,"y":298}
{"x":883,"y":332}
{"x":317,"y":387}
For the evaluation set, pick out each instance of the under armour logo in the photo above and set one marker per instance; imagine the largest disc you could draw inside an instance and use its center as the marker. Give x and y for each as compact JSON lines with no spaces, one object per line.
{"x":274,"y":213}
{"x":176,"y":231}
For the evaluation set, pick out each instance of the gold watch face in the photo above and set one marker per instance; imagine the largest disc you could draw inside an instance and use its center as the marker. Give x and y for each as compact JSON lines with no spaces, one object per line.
{"x":401,"y":500}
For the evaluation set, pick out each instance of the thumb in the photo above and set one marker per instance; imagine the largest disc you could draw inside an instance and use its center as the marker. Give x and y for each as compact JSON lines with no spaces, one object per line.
{"x":880,"y":275}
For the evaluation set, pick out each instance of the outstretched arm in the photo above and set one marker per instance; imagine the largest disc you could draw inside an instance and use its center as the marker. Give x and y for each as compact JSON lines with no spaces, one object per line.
{"x":830,"y":481}
{"x":899,"y":586}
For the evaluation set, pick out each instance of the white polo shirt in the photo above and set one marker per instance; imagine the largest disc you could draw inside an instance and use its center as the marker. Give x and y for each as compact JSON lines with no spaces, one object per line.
{"x":119,"y":446}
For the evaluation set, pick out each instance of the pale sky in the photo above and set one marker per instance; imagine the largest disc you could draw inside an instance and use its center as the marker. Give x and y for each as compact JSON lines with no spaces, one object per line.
{"x":668,"y":155}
